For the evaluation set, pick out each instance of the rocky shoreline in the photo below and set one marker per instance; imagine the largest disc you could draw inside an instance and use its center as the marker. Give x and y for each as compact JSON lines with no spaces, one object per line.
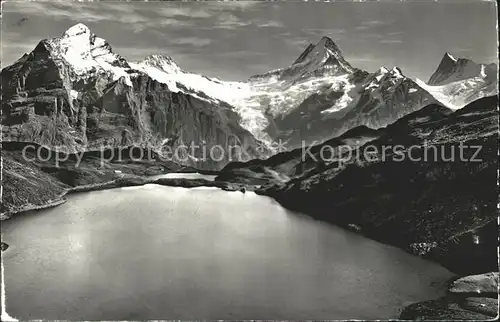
{"x":473,"y":297}
{"x":128,"y":181}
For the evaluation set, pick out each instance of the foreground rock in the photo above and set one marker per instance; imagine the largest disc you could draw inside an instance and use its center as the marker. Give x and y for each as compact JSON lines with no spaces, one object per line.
{"x":473,"y":297}
{"x":4,"y":246}
{"x":480,"y":285}
{"x":450,"y":309}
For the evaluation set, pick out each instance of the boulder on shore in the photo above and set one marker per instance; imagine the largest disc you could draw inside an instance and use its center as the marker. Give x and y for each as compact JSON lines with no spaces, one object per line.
{"x":473,"y":297}
{"x":448,"y":309}
{"x":483,"y":305}
{"x":476,"y":284}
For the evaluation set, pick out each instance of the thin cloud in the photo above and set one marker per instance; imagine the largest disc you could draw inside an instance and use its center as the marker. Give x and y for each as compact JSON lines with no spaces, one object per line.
{"x":371,"y":24}
{"x":334,"y":31}
{"x":85,"y":12}
{"x":160,"y":23}
{"x":230,"y":21}
{"x":297,"y":42}
{"x":193,"y":41}
{"x":361,"y":59}
{"x":391,"y":41}
{"x":241,"y":53}
{"x":374,"y":23}
{"x":362,"y":27}
{"x":170,"y":11}
{"x":235,"y":5}
{"x":462,"y":50}
{"x":271,"y":24}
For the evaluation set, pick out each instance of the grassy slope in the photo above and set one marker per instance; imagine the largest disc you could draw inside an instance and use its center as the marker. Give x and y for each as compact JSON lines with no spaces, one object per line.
{"x":37,"y":184}
{"x":31,"y":185}
{"x":430,"y":208}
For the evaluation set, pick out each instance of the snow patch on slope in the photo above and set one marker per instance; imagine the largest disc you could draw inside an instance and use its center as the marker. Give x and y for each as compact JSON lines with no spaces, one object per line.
{"x":344,"y":85}
{"x":215,"y":89}
{"x":88,"y":54}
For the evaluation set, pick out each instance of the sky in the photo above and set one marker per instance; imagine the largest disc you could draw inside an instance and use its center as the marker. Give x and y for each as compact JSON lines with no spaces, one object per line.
{"x":237,"y":39}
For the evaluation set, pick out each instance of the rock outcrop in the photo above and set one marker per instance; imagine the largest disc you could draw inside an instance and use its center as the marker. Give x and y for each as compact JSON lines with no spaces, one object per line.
{"x":480,"y":284}
{"x":465,"y":301}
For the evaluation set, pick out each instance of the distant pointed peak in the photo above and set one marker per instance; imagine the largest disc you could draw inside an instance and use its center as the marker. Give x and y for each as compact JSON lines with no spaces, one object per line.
{"x":397,"y":71}
{"x":453,"y":68}
{"x":449,"y":59}
{"x":321,"y":50}
{"x":76,"y":30}
{"x":328,"y":43}
{"x":447,"y":55}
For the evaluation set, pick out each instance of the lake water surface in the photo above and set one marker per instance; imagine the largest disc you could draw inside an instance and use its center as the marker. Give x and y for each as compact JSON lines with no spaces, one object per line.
{"x":156,"y":252}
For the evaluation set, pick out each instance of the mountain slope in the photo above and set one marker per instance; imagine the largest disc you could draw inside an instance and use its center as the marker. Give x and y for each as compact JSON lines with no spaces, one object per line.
{"x":376,"y":100}
{"x":430,"y":192}
{"x":74,"y":92}
{"x":321,"y":95}
{"x":426,"y":183}
{"x":302,"y":162}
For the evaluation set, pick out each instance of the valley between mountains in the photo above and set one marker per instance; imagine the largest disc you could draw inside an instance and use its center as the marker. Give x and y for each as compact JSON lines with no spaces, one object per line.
{"x":433,"y":192}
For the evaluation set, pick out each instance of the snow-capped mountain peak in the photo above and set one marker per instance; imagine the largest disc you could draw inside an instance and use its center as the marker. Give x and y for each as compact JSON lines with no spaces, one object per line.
{"x":162,"y":62}
{"x":383,"y":74}
{"x":86,"y":53}
{"x":382,"y":70}
{"x":459,"y":81}
{"x":324,"y":59}
{"x":320,"y":51}
{"x":323,"y":49}
{"x":396,"y":71}
{"x":324,"y":54}
{"x":76,"y":30}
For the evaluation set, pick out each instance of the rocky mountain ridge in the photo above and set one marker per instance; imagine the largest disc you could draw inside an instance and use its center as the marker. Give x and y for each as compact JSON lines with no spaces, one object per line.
{"x":453,"y":69}
{"x":63,"y":92}
{"x":74,"y":92}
